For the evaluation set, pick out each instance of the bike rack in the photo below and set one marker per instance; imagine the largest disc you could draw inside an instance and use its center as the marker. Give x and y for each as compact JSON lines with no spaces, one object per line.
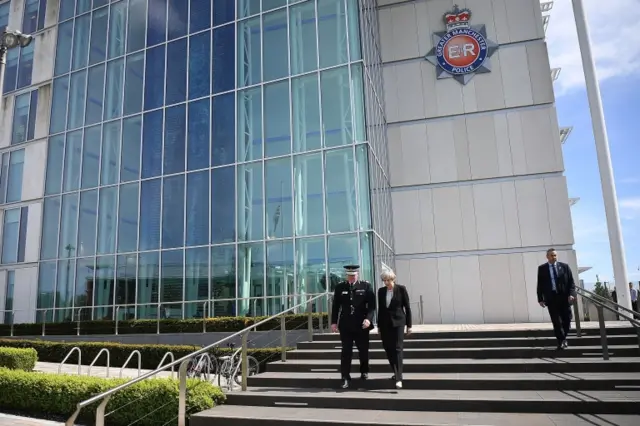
{"x":96,"y":358}
{"x":13,"y":320}
{"x":170,"y":355}
{"x":74,"y":349}
{"x":117,"y":320}
{"x":136,"y":352}
{"x":78,"y":321}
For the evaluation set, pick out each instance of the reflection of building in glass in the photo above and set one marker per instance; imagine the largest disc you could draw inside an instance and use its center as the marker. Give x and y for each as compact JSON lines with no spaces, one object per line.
{"x":197,"y":151}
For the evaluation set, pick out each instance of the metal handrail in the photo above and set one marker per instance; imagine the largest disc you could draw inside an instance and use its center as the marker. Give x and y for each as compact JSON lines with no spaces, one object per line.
{"x":634,"y":322}
{"x":136,"y":352}
{"x":605,"y":300}
{"x":103,"y":350}
{"x":173,"y":359}
{"x":183,"y":362}
{"x":74,"y":349}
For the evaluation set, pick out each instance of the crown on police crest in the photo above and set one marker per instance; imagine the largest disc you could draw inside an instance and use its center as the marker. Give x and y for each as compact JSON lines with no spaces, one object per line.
{"x":457,"y":18}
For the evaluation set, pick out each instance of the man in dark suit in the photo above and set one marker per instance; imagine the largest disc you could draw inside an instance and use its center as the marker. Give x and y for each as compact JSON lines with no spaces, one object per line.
{"x":556,"y":292}
{"x":353,"y":306}
{"x":394,"y":313}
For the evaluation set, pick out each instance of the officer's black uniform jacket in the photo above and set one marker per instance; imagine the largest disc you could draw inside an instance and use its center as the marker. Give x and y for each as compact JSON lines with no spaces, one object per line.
{"x":361,"y":297}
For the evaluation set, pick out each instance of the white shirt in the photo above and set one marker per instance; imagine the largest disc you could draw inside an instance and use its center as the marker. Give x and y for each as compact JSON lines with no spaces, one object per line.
{"x":389,"y":296}
{"x":634,"y":294}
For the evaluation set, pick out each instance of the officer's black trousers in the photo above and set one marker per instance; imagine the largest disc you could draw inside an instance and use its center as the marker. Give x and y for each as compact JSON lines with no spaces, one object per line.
{"x":361,"y":339}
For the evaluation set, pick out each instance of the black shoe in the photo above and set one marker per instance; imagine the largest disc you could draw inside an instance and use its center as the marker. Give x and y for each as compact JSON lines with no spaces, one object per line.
{"x":345,"y":384}
{"x":364,"y":376}
{"x":564,"y":344}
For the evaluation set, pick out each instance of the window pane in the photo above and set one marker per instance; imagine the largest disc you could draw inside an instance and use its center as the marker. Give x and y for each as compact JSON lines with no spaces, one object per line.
{"x":223,"y":279}
{"x":280,"y":277}
{"x":87,"y":223}
{"x":133,"y":84}
{"x":176,"y":81}
{"x":63,"y":48}
{"x":64,"y":290}
{"x":223,"y":12}
{"x":275,"y":46}
{"x":198,"y":208}
{"x":223,"y":202}
{"x":67,"y":9}
{"x":152,"y":144}
{"x":250,"y":202}
{"x":128,"y":218}
{"x":150,"y":198}
{"x":223,"y":141}
{"x":175,"y":127}
{"x":357,"y":98}
{"x":98,"y":47}
{"x":81,"y":38}
{"x":278,"y":193}
{"x":336,"y":107}
{"x":276,"y":119}
{"x":20,"y":118}
{"x":16,"y":172}
{"x":154,"y":78}
{"x":332,"y":35}
{"x":353,"y":22}
{"x":95,"y":95}
{"x":248,"y":7}
{"x":249,"y":52}
{"x":82,"y":6}
{"x":223,"y":58}
{"x":310,"y":265}
{"x":33,"y":107}
{"x":8,"y":301}
{"x":302,"y":37}
{"x":343,"y":250}
{"x":178,"y":18}
{"x":148,"y":284}
{"x":157,"y":21}
{"x":4,"y":176}
{"x":126,"y":285}
{"x":68,"y":226}
{"x":171,"y":285}
{"x":107,"y":220}
{"x":198,"y":138}
{"x":341,"y":191}
{"x":50,"y":223}
{"x":11,"y":70}
{"x":4,"y":16}
{"x":10,"y":231}
{"x":102,"y":291}
{"x":131,"y":135}
{"x":46,"y":290}
{"x":272,"y":4}
{"x":250,"y":124}
{"x":91,"y":157}
{"x":362,"y":168}
{"x":367,"y":271}
{"x":72,"y":160}
{"x":113,"y":89}
{"x":200,"y":19}
{"x":117,"y":29}
{"x":77,"y":100}
{"x":309,"y":210}
{"x":307,"y":133}
{"x":59,"y":105}
{"x":173,"y":212}
{"x":199,"y":65}
{"x":30,"y":17}
{"x":196,"y":286}
{"x":110,"y":153}
{"x":136,"y":33}
{"x":250,"y":278}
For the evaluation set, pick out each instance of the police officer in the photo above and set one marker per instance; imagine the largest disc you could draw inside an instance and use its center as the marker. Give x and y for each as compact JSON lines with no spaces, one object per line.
{"x":353,"y":309}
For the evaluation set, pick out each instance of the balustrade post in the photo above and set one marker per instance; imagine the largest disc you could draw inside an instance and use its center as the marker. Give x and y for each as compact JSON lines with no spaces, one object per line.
{"x":283,"y":339}
{"x":603,"y":333}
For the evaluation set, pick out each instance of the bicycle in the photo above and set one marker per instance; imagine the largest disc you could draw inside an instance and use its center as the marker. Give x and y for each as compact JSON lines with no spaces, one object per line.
{"x":232,"y":367}
{"x":202,"y":367}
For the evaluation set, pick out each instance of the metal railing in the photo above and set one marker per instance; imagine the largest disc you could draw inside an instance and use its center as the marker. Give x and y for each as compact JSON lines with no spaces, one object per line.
{"x":136,"y":352}
{"x":183,"y":363}
{"x":103,"y":350}
{"x":74,"y":349}
{"x":603,"y":304}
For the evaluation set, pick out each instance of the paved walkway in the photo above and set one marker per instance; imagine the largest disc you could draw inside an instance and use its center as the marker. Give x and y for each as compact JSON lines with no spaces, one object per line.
{"x":509,"y":327}
{"x":9,"y":420}
{"x":51,"y":367}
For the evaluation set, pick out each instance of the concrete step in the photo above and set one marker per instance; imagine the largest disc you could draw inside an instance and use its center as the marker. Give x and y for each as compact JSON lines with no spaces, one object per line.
{"x":467,"y":365}
{"x":588,"y":330}
{"x":583,"y":402}
{"x":479,"y":353}
{"x":414,"y":343}
{"x":459,"y":381}
{"x":230,"y":415}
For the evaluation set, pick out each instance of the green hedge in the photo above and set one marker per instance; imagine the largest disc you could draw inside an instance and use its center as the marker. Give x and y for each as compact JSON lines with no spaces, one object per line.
{"x":218,"y":324}
{"x":18,"y":358}
{"x":46,"y":395}
{"x":119,"y":352}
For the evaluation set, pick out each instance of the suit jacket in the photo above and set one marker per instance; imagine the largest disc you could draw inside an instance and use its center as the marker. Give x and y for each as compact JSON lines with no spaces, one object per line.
{"x":565,"y":284}
{"x":360,"y":296}
{"x":398,"y":314}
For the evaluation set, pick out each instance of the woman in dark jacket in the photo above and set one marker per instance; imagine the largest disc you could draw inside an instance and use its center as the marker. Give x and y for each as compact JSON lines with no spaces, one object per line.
{"x":394,"y":314}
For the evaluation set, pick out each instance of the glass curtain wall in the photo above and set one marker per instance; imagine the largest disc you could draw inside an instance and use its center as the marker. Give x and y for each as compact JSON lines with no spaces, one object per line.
{"x":205,"y":159}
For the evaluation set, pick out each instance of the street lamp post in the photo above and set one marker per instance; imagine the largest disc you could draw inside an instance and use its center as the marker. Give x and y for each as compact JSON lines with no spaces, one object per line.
{"x":10,"y":39}
{"x":604,"y":157}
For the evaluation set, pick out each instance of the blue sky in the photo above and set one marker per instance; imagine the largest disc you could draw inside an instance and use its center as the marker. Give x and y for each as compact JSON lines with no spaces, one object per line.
{"x":615,"y":40}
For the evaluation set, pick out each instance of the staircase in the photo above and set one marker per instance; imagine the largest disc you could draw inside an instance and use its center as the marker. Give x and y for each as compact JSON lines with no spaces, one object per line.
{"x":499,"y":377}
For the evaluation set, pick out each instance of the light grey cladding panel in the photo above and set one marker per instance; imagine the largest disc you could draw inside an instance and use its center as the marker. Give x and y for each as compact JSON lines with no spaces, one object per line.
{"x":51,"y":16}
{"x":6,"y":120}
{"x":44,"y":53}
{"x":533,"y":212}
{"x":3,"y":294}
{"x":25,"y":294}
{"x":399,"y":32}
{"x":559,"y":210}
{"x":15,"y":15}
{"x":43,"y":111}
{"x":34,"y":230}
{"x":35,"y":162}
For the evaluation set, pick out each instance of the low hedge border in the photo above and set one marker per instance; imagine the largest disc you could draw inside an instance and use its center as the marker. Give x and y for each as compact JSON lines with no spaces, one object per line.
{"x":119,"y":352}
{"x":146,"y":326}
{"x":46,"y":395}
{"x":18,"y":358}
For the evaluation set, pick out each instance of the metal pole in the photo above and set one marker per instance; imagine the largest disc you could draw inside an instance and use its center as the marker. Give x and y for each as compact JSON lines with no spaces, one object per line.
{"x":205,"y":305}
{"x":283,"y":339}
{"x":604,"y":157}
{"x":78,"y":330}
{"x":421,"y":310}
{"x":44,"y":320}
{"x":158,"y":320}
{"x":603,"y":333}
{"x":243,"y":367}
{"x":3,"y":63}
{"x":576,"y":316}
{"x":100,"y":411}
{"x":117,"y":318}
{"x":182,"y":393}
{"x":310,"y":320}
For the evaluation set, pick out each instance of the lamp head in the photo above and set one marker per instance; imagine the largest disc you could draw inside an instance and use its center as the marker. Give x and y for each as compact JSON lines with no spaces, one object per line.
{"x":12,"y":39}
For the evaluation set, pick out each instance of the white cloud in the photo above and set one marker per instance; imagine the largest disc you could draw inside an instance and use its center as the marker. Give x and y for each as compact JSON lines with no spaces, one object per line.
{"x":630,"y":208}
{"x":628,"y":180}
{"x":615,"y":39}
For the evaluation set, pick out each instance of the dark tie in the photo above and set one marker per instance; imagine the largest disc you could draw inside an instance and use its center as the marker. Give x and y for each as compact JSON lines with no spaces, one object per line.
{"x":555,"y":276}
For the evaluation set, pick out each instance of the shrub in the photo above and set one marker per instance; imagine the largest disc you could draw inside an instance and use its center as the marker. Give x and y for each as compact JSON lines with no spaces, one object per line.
{"x":145,"y":326}
{"x":119,"y":352}
{"x":40,"y":394}
{"x":18,"y":358}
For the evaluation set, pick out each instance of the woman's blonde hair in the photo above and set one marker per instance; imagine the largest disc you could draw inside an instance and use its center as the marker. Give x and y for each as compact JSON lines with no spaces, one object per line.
{"x":388,"y":275}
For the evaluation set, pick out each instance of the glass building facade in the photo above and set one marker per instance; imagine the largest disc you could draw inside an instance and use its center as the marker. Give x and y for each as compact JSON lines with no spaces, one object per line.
{"x":211,"y":150}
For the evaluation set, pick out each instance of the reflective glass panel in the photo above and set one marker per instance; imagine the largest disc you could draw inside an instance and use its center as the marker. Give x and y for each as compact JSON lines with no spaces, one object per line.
{"x":68,"y":226}
{"x":98,"y":45}
{"x":46,"y":290}
{"x":302,"y":38}
{"x":176,"y":80}
{"x":110,"y":153}
{"x":199,"y":64}
{"x":64,"y":290}
{"x":250,"y":202}
{"x":83,"y":286}
{"x":55,"y":157}
{"x":103,"y":290}
{"x":311,"y":265}
{"x":59,"y":105}
{"x":126,"y":285}
{"x":107,"y":220}
{"x":154,"y":78}
{"x":251,"y":258}
{"x":63,"y":48}
{"x":307,"y":131}
{"x":150,"y":203}
{"x":223,"y":58}
{"x":16,"y":176}
{"x":157,"y":22}
{"x":332,"y":33}
{"x":223,"y":280}
{"x":128,"y":218}
{"x":178,"y":18}
{"x":133,"y":84}
{"x":223,"y":201}
{"x":250,"y":124}
{"x":72,"y":161}
{"x":223,"y":141}
{"x":249,"y":52}
{"x":81,"y":39}
{"x":280,"y":277}
{"x":275,"y":47}
{"x":137,"y":25}
{"x":152,"y":144}
{"x":309,"y":207}
{"x":87,"y":223}
{"x":198,"y":135}
{"x":131,"y":145}
{"x":279,"y":199}
{"x":175,"y":128}
{"x":200,"y":15}
{"x":117,"y":29}
{"x":171,"y":285}
{"x":173,"y":212}
{"x":342,"y":213}
{"x":198,"y":208}
{"x":277,"y":128}
{"x":77,"y":92}
{"x":196,"y":278}
{"x":95,"y":95}
{"x":10,"y":230}
{"x":113,"y":89}
{"x":50,"y":223}
{"x":148,"y":284}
